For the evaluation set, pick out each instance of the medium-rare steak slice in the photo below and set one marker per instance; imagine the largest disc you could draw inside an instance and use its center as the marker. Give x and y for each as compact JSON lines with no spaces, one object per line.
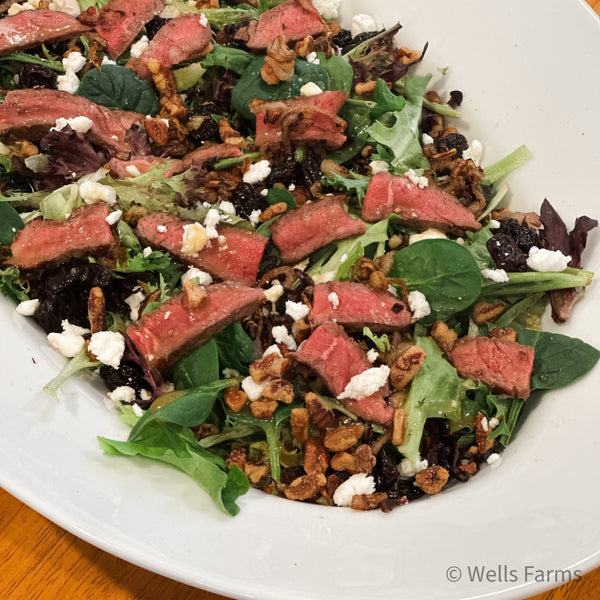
{"x":337,"y":358}
{"x":502,"y":364}
{"x":31,"y":28}
{"x":200,"y":156}
{"x":303,"y":230}
{"x":42,"y":241}
{"x":293,"y":20}
{"x":31,"y":113}
{"x":235,"y":256}
{"x":183,"y":38}
{"x":358,"y":305}
{"x":418,"y":207}
{"x":120,"y":21}
{"x":171,"y":331}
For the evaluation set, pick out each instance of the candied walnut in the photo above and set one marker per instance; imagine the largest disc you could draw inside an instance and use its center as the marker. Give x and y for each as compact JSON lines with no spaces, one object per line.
{"x":305,"y":487}
{"x":236,"y":456}
{"x":368,"y":501}
{"x":399,"y":427}
{"x":263,"y":409}
{"x":300,"y":424}
{"x":391,"y":503}
{"x":229,"y":135}
{"x":193,"y":295}
{"x":255,"y":469}
{"x":96,"y":310}
{"x":305,"y":46}
{"x":378,"y":281}
{"x":342,"y":438}
{"x":235,"y":399}
{"x":443,"y":335}
{"x":271,"y":365}
{"x":484,"y":312}
{"x":397,"y":399}
{"x":316,"y":457}
{"x":432,"y":479}
{"x":406,"y":56}
{"x":158,"y":131}
{"x":279,"y":62}
{"x":333,"y":483}
{"x":406,"y":367}
{"x":470,"y":468}
{"x":344,"y":461}
{"x":530,"y":219}
{"x":205,"y":429}
{"x":321,"y":416}
{"x":482,"y":429}
{"x":134,"y":214}
{"x":162,"y":77}
{"x":364,"y":88}
{"x":25,"y":149}
{"x":172,"y":108}
{"x":506,"y":334}
{"x":280,"y":390}
{"x":365,"y":459}
{"x":207,"y":3}
{"x":302,"y":331}
{"x":275,"y":209}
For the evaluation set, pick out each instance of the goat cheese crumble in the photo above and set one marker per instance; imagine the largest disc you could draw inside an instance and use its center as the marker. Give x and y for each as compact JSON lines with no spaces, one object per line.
{"x":78,"y":124}
{"x":200,"y":277}
{"x":360,"y":483}
{"x":28,"y":308}
{"x":428,"y":234}
{"x":310,"y":89}
{"x":418,"y":304}
{"x":363,"y":23}
{"x":93,"y":192}
{"x":257,"y":172}
{"x":114,"y":216}
{"x":329,"y":9}
{"x":421,"y":182}
{"x":70,"y":342}
{"x":333,"y":299}
{"x":108,"y":347}
{"x":366,"y":383}
{"x":282,"y":336}
{"x":545,"y":261}
{"x":195,"y":237}
{"x":497,"y":275}
{"x":296,"y":310}
{"x":253,"y":390}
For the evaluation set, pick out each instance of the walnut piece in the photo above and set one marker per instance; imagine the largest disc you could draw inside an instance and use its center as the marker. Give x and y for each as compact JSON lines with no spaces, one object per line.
{"x":365,"y":459}
{"x":342,"y":438}
{"x":399,"y":427}
{"x":263,"y":409}
{"x":193,"y":295}
{"x":484,"y":312}
{"x":319,"y":415}
{"x":235,"y":399}
{"x":280,"y":390}
{"x":236,"y":456}
{"x":229,"y":135}
{"x":364,"y":88}
{"x":255,"y":469}
{"x":316,"y":457}
{"x":368,"y":501}
{"x":271,"y":365}
{"x":300,"y":424}
{"x":275,"y":209}
{"x":96,"y":310}
{"x":406,"y":367}
{"x":432,"y":479}
{"x":506,"y":334}
{"x":444,"y":336}
{"x":158,"y":131}
{"x":344,"y":461}
{"x":305,"y":487}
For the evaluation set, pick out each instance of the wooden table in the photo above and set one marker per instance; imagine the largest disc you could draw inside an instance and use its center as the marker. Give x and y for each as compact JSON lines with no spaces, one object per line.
{"x":39,"y":560}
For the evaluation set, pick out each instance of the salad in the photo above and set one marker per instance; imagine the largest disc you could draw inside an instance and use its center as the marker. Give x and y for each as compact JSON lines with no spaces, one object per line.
{"x":268,"y":237}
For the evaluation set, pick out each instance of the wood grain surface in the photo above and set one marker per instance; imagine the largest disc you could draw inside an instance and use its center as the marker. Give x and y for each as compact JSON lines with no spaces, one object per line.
{"x":39,"y":560}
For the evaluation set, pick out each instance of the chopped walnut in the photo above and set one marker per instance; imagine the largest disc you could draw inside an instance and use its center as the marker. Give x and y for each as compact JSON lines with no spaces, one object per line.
{"x":364,"y":88}
{"x":305,"y":46}
{"x":321,"y":416}
{"x":368,"y":501}
{"x":344,"y":461}
{"x":443,"y":335}
{"x":505,"y":334}
{"x":406,"y":367}
{"x":193,"y":295}
{"x":300,"y":424}
{"x":481,"y":433}
{"x":205,"y":429}
{"x":378,"y":281}
{"x":158,"y":131}
{"x":235,"y":399}
{"x":484,"y":312}
{"x":316,"y":457}
{"x":432,"y":479}
{"x":255,"y":470}
{"x":263,"y":409}
{"x":397,"y":399}
{"x":271,"y":365}
{"x":531,"y":219}
{"x":275,"y":209}
{"x":280,"y":390}
{"x":25,"y":149}
{"x":365,"y":459}
{"x":162,"y":77}
{"x":305,"y":487}
{"x":470,"y":468}
{"x":399,"y":427}
{"x":342,"y":438}
{"x":236,"y":456}
{"x":279,"y":62}
{"x":229,"y":135}
{"x":134,"y":214}
{"x":96,"y":310}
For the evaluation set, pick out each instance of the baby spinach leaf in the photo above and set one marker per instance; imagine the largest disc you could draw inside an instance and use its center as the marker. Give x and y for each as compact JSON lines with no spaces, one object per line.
{"x":10,"y":222}
{"x":117,"y":88}
{"x":385,"y":100}
{"x":199,"y":367}
{"x":339,"y":70}
{"x":357,"y":114}
{"x":232,"y":59}
{"x":276,"y":195}
{"x":559,"y":359}
{"x":444,"y":271}
{"x":235,"y":348}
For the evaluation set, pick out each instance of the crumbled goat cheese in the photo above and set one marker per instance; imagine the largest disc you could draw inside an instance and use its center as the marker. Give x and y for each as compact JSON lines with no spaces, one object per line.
{"x":291,"y":187}
{"x":494,"y":422}
{"x":281,"y":336}
{"x":229,"y":373}
{"x":93,"y":192}
{"x":38,"y":163}
{"x":372,"y":355}
{"x":360,"y":483}
{"x":254,"y":216}
{"x":132,"y":171}
{"x":460,"y":241}
{"x":296,"y":310}
{"x":428,"y":234}
{"x":145,"y":395}
{"x":194,"y":239}
{"x":137,"y":410}
{"x":543,"y":260}
{"x":333,"y":299}
{"x":73,"y":62}
{"x":70,"y":342}
{"x":310,"y":89}
{"x":362,"y":24}
{"x":123,"y":394}
{"x":139,"y":46}
{"x":407,"y":469}
{"x":228,"y":207}
{"x":324,"y":277}
{"x":418,"y":304}
{"x":201,"y":277}
{"x":202,"y":19}
{"x":107,"y":61}
{"x":484,"y":424}
{"x":169,"y":12}
{"x":210,"y":223}
{"x":108,"y":347}
{"x":253,"y":390}
{"x":426,"y":139}
{"x":71,"y":7}
{"x":114,"y":216}
{"x":274,"y":292}
{"x":78,"y":124}
{"x":497,"y":275}
{"x":69,"y":82}
{"x":366,"y":383}
{"x":274,"y":349}
{"x":493,"y":224}
{"x":257,"y":172}
{"x":474,"y":152}
{"x":161,"y":228}
{"x":421,"y":182}
{"x":379,"y":166}
{"x":494,"y":460}
{"x":27,"y":308}
{"x":147,"y":251}
{"x":311,"y":57}
{"x":329,"y":9}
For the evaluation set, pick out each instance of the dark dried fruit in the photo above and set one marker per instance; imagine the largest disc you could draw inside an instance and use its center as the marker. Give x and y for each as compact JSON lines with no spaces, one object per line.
{"x":359,"y":39}
{"x":524,"y":237}
{"x":154,"y":25}
{"x":128,"y":373}
{"x":453,"y":141}
{"x":287,"y":173}
{"x":208,"y":131}
{"x":342,"y":39}
{"x":32,"y":75}
{"x":506,"y":254}
{"x":246,"y":199}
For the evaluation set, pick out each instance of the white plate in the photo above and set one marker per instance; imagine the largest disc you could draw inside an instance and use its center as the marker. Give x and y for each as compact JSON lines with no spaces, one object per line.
{"x":529,"y":73}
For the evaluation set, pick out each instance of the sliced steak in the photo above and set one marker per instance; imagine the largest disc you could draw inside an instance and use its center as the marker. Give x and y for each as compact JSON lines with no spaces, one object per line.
{"x":235,"y":258}
{"x":206,"y":153}
{"x":31,"y":28}
{"x":421,"y":208}
{"x":31,"y":113}
{"x":303,"y":230}
{"x":168,"y":333}
{"x":293,"y":20}
{"x":337,"y":358}
{"x":358,"y":305}
{"x":43,"y":241}
{"x":503,"y":365}
{"x":183,"y":38}
{"x":121,"y":169}
{"x":120,"y":21}
{"x":306,"y":119}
